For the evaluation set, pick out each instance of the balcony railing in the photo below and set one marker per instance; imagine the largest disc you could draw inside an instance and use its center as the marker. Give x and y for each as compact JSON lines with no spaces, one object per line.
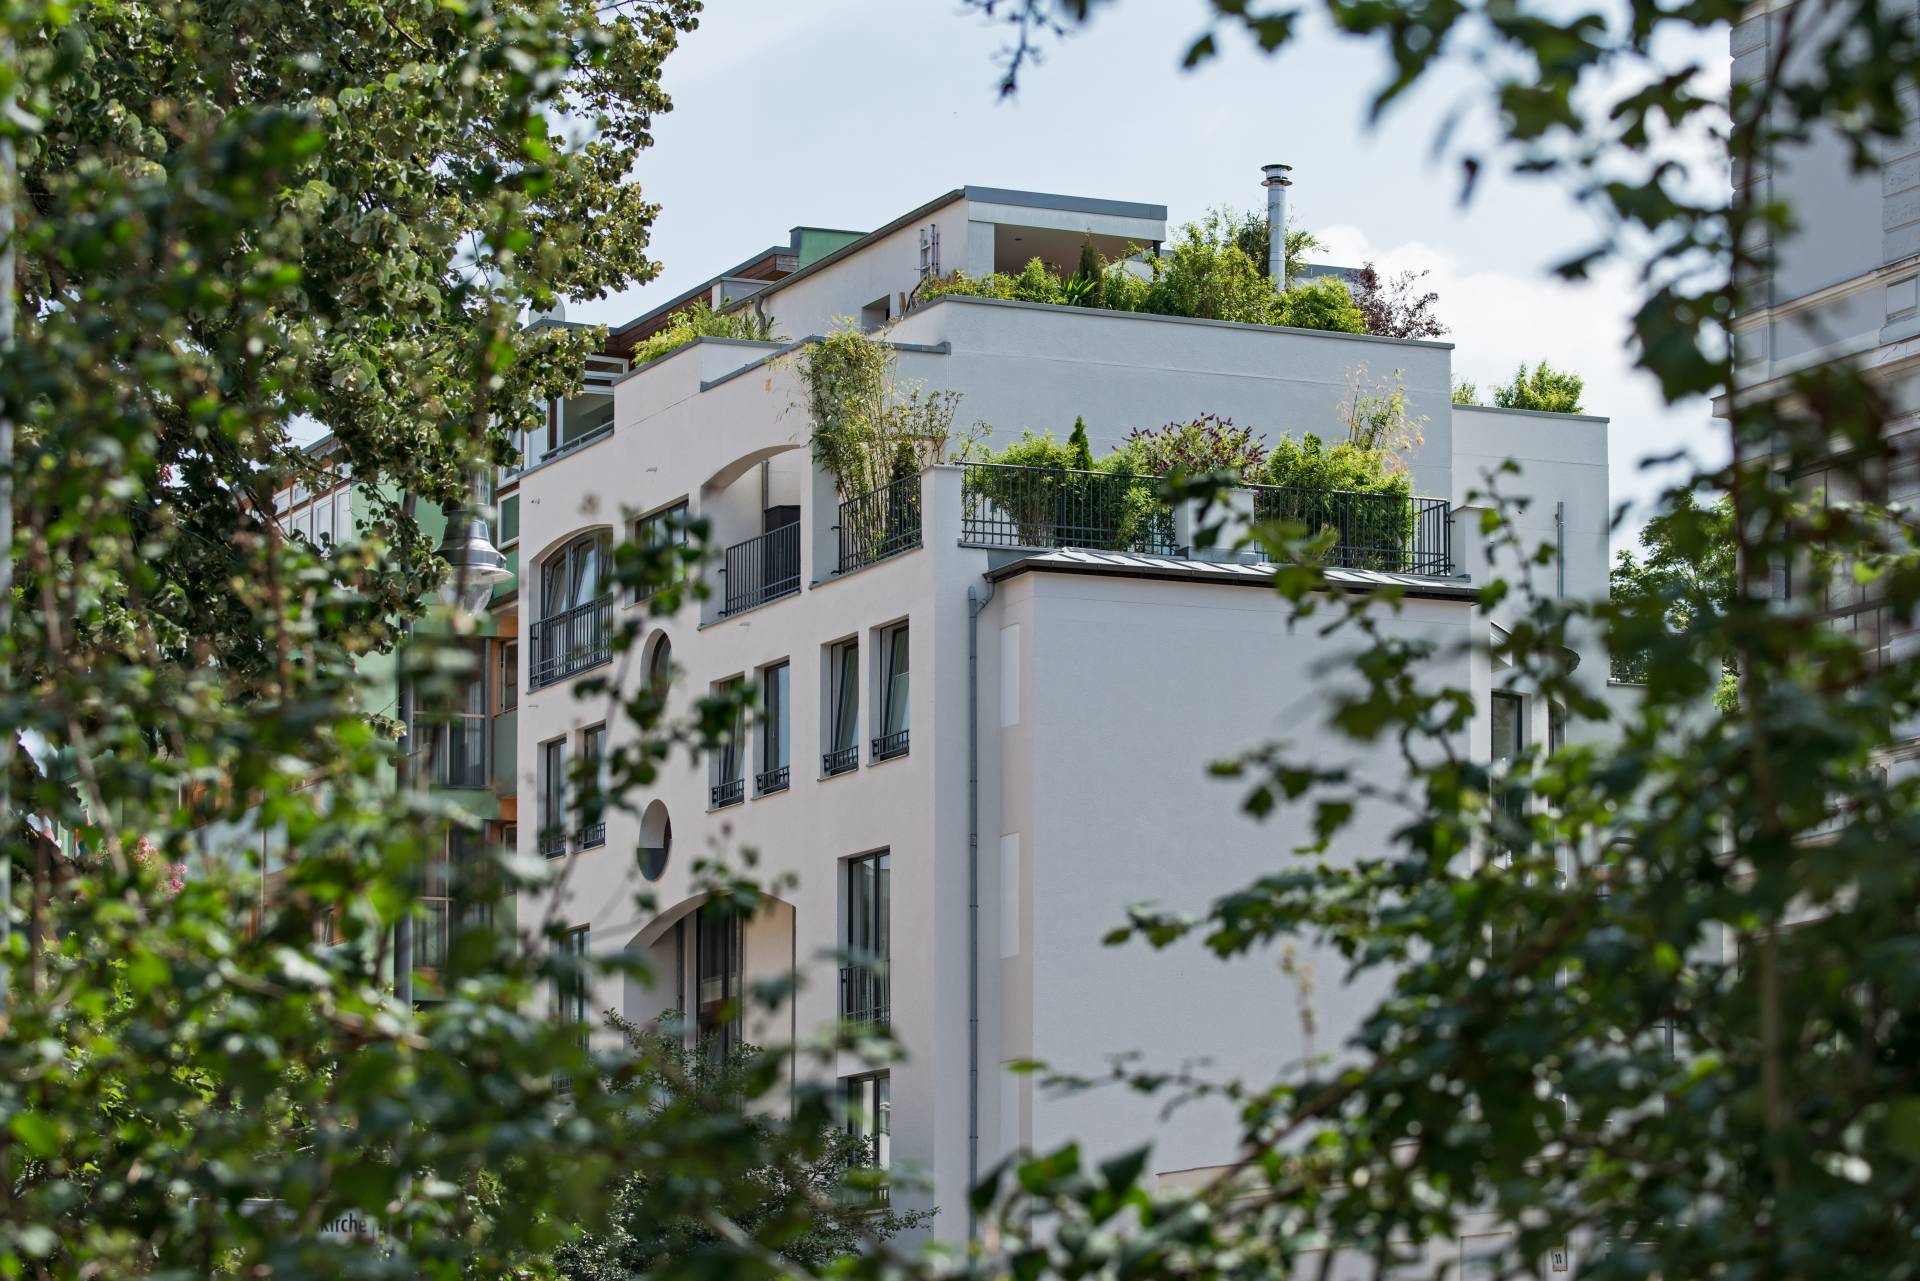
{"x":888,"y":746}
{"x":1047,"y":507}
{"x":879,"y":524}
{"x":591,"y":835}
{"x":731,"y":792}
{"x":570,"y":643}
{"x":1389,"y":532}
{"x":761,"y":569}
{"x":768,"y":781}
{"x":865,"y":994}
{"x":840,"y":760}
{"x":1007,"y":506}
{"x":553,"y":844}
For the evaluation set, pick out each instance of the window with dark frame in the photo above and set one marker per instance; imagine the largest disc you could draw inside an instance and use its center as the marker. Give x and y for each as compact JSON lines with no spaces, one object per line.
{"x":729,"y":782}
{"x":717,"y":948}
{"x":892,"y":738}
{"x":776,"y":714}
{"x":553,"y":797}
{"x":865,"y":989}
{"x":574,"y":631}
{"x":570,"y":991}
{"x":509,"y":652}
{"x":1509,"y":740}
{"x":869,"y":1105}
{"x":593,"y":822}
{"x":843,"y":744}
{"x":667,"y":528}
{"x":464,"y":762}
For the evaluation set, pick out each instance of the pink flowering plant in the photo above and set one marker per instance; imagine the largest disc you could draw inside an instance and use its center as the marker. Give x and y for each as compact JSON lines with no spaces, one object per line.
{"x":1208,"y":443}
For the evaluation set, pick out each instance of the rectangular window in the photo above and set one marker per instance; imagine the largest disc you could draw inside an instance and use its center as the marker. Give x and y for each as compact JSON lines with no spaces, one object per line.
{"x":466,"y":752}
{"x":864,"y":985}
{"x":666,"y":528}
{"x":892,"y":739}
{"x":553,"y":797}
{"x":571,"y":991}
{"x":1509,"y":739}
{"x":843,"y":718}
{"x":729,"y":756}
{"x":870,"y":1116}
{"x":593,"y":820}
{"x":431,"y":949}
{"x":775,"y":714}
{"x":509,"y":652}
{"x":716,"y":976}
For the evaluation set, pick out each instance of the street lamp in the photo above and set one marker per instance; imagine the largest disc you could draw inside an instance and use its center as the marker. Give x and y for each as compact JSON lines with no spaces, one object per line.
{"x":475,"y":568}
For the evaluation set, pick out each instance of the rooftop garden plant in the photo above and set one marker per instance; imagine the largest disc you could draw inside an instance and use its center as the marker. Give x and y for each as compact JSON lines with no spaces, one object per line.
{"x":869,"y":428}
{"x":702,"y":321}
{"x":1544,"y":388}
{"x":1207,"y":273}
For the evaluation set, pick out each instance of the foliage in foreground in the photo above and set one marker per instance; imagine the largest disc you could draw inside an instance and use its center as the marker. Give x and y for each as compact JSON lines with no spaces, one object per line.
{"x":823,"y":1199}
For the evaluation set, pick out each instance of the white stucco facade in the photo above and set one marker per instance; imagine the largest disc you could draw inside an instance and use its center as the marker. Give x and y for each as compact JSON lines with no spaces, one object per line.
{"x":1100,"y":685}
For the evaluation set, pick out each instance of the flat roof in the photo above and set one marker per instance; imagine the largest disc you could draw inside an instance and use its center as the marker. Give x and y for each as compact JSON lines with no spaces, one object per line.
{"x":1231,"y":573}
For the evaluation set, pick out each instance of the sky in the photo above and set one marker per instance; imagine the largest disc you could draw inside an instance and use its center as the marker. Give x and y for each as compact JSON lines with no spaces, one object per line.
{"x":847,"y":113}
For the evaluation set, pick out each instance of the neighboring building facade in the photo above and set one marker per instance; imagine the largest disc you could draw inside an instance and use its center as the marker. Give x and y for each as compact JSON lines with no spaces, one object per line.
{"x":980,"y":741}
{"x":1844,"y":287}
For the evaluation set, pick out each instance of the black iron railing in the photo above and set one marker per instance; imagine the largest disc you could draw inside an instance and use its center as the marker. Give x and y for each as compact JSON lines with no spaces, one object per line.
{"x":570,"y":643}
{"x":1390,"y":532}
{"x":865,"y":994}
{"x":771,"y":780}
{"x":731,"y":792}
{"x":1007,"y":506}
{"x":591,"y":835}
{"x":840,"y":760}
{"x":879,"y":524}
{"x":888,"y":746}
{"x":762,"y":569}
{"x":553,"y":844}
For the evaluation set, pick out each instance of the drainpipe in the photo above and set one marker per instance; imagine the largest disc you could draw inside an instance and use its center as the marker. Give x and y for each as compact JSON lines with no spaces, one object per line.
{"x":1276,"y":182}
{"x":1560,"y":548}
{"x":976,"y":603}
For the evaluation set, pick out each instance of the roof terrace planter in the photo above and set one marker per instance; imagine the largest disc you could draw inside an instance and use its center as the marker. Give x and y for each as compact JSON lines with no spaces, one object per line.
{"x":571,"y":642}
{"x":761,"y":570}
{"x":1393,"y":533}
{"x":1041,"y":507}
{"x":879,"y":523}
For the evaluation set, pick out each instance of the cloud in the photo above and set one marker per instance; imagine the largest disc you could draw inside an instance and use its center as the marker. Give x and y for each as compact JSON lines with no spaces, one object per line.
{"x":1500,"y":319}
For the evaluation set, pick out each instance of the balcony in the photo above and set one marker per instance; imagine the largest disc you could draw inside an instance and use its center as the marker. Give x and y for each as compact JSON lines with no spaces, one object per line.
{"x":553,"y":844}
{"x":591,"y":835}
{"x":840,"y":760}
{"x":1040,"y":508}
{"x":865,"y":994}
{"x":570,"y":643}
{"x":769,"y":781}
{"x":884,"y":522}
{"x":761,"y":570}
{"x":888,"y":746}
{"x":731,"y":792}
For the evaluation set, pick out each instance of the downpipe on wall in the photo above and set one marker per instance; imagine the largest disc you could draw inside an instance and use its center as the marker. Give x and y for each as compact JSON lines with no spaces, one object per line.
{"x":976,"y":603}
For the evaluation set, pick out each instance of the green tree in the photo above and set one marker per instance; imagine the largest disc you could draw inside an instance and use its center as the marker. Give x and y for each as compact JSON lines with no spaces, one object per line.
{"x":1554,"y":391}
{"x":230,"y":216}
{"x":1079,"y":447}
{"x":1682,"y":580}
{"x":1465,"y":392}
{"x":822,"y":1201}
{"x":1323,"y":303}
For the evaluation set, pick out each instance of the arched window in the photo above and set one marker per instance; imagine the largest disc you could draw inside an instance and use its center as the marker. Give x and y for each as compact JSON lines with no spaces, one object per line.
{"x":660,"y":669}
{"x":575,"y":629}
{"x":575,"y":575}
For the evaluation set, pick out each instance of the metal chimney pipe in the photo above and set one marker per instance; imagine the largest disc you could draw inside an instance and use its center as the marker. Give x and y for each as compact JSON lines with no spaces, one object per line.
{"x":1276,"y":182}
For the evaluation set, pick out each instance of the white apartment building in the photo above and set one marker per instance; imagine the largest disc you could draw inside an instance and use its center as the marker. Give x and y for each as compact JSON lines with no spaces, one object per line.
{"x":980,"y":743}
